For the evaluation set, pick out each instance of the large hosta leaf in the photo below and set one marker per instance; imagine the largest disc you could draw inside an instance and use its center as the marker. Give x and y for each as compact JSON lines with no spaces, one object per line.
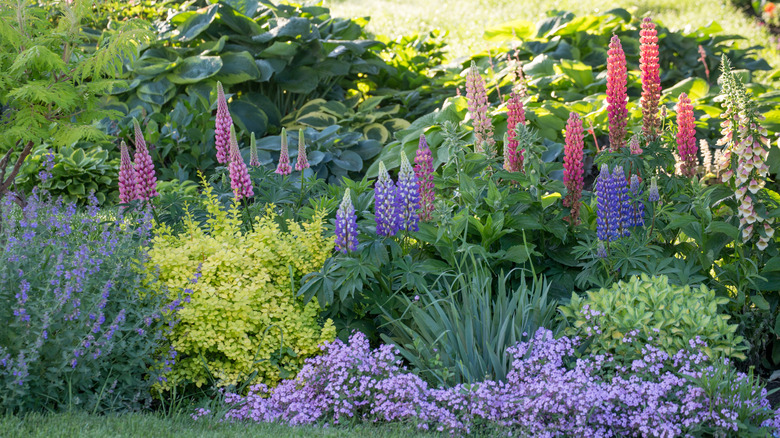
{"x":299,"y":80}
{"x":249,"y":117}
{"x":158,"y":92}
{"x":196,"y":23}
{"x":237,"y":67}
{"x":195,"y":69}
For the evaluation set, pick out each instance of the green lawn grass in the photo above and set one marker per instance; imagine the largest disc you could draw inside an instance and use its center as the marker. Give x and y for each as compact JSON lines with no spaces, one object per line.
{"x":154,"y":426}
{"x":465,"y":20}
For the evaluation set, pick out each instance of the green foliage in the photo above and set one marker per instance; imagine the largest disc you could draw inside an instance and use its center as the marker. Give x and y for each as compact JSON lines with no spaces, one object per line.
{"x":240,"y":320}
{"x":51,"y":80}
{"x":459,"y":330}
{"x":76,"y":173}
{"x":651,"y":309}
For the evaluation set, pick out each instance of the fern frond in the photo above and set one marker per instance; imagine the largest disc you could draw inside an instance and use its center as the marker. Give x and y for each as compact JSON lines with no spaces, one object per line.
{"x":36,"y":58}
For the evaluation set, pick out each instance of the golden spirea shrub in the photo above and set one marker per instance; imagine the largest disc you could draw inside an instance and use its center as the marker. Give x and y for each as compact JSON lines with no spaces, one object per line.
{"x":242,"y":315}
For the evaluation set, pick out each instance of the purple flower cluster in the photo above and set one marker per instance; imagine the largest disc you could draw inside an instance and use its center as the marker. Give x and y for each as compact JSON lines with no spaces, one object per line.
{"x":385,"y":203}
{"x":223,"y":124}
{"x":547,"y":393}
{"x":423,"y":169}
{"x":346,"y":225}
{"x":617,"y":208}
{"x":408,"y":197}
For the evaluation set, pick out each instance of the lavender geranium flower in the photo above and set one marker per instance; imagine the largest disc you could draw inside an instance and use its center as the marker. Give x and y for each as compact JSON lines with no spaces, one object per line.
{"x":222,"y":129}
{"x":146,"y":182}
{"x":346,"y":225}
{"x":126,"y":176}
{"x":239,"y":176}
{"x":284,"y":167}
{"x":385,"y":205}
{"x":408,"y":197}
{"x":423,"y":169}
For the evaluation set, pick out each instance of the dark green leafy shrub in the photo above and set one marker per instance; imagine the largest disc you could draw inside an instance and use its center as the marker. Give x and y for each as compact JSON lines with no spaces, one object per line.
{"x":652,"y":310}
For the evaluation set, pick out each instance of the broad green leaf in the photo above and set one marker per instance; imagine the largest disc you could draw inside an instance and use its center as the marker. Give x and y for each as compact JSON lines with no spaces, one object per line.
{"x":580,"y":74}
{"x":695,"y":88}
{"x":279,"y":49}
{"x":349,"y":161}
{"x":195,"y":69}
{"x":760,"y":302}
{"x":294,"y":27}
{"x":516,"y":29}
{"x":298,"y":80}
{"x":249,"y":117}
{"x":197,"y":23}
{"x":237,"y":67}
{"x":157,"y":92}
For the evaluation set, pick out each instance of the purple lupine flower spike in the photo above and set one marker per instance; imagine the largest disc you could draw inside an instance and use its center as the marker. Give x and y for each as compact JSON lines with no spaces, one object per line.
{"x":637,"y":207}
{"x":603,"y":183}
{"x":303,"y":160}
{"x":385,"y":206}
{"x":222,"y":129}
{"x":423,"y":169}
{"x":284,"y":157}
{"x":652,"y":193}
{"x":622,"y":203}
{"x":346,"y":225}
{"x":145,"y":182}
{"x":408,"y":196}
{"x":126,"y":176}
{"x":239,"y":176}
{"x":254,"y":161}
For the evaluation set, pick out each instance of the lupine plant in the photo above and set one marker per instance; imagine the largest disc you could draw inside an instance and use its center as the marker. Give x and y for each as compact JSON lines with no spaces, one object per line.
{"x":651,"y":79}
{"x":223,"y":124}
{"x":478,"y":109}
{"x":573,"y":167}
{"x":423,"y":170}
{"x":146,"y":181}
{"x":616,"y":94}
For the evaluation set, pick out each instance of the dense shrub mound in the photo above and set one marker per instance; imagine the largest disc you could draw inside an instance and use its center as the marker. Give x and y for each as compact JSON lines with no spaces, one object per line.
{"x":546,"y":392}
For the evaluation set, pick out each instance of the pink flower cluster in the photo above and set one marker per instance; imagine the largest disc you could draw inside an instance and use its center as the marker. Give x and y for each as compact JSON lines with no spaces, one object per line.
{"x":423,"y":169}
{"x":137,"y":181}
{"x":686,"y":137}
{"x":284,"y":168}
{"x":239,"y":175}
{"x":222,"y":130}
{"x":303,"y":160}
{"x":513,"y":159}
{"x":651,"y":78}
{"x":476,"y":95}
{"x":617,"y":78}
{"x":573,"y":168}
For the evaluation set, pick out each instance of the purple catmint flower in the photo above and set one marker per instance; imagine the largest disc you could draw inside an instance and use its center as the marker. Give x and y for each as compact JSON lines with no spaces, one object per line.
{"x":423,"y":170}
{"x":616,"y":94}
{"x":408,"y":196}
{"x":222,"y":129}
{"x":126,"y":176}
{"x":254,"y":161}
{"x":239,"y":175}
{"x":284,"y":157}
{"x":303,"y":160}
{"x":385,"y":205}
{"x":145,"y":182}
{"x":346,"y":225}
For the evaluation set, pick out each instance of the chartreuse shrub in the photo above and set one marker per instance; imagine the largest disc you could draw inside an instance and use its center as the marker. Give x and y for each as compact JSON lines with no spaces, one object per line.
{"x":653,"y":311}
{"x":240,"y":319}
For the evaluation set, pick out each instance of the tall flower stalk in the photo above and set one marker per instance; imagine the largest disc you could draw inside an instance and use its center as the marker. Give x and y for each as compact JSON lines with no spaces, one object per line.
{"x":126,"y":176}
{"x":346,"y":225}
{"x":254,"y":161}
{"x":573,"y":169}
{"x":686,"y":137}
{"x":651,"y":79}
{"x":614,"y":210}
{"x":423,"y":170}
{"x":616,"y":94}
{"x":145,"y":182}
{"x":513,"y":158}
{"x":385,"y":205}
{"x":476,"y":96}
{"x":284,"y":168}
{"x":223,"y":124}
{"x":239,"y":175}
{"x":303,"y":160}
{"x":408,"y":197}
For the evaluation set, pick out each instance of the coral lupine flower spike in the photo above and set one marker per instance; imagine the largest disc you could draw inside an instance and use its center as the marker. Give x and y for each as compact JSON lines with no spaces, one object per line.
{"x":126,"y":176}
{"x":346,"y":225}
{"x":513,"y":159}
{"x":476,"y":96}
{"x":686,"y":137}
{"x":284,"y":157}
{"x":145,"y":181}
{"x":385,"y":205}
{"x":573,"y":169}
{"x":651,"y":79}
{"x":423,"y":170}
{"x":616,"y":94}
{"x":239,"y":176}
{"x":303,"y":160}
{"x":223,"y":124}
